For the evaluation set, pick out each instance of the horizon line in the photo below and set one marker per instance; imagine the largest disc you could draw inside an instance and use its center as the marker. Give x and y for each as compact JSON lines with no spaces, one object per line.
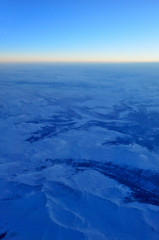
{"x":80,"y":61}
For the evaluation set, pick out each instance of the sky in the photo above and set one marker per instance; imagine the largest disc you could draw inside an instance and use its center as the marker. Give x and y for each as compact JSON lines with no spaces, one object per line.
{"x":79,"y":30}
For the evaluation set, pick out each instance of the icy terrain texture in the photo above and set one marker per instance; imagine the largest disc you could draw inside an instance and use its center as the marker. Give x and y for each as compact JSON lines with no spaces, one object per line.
{"x":79,"y":152}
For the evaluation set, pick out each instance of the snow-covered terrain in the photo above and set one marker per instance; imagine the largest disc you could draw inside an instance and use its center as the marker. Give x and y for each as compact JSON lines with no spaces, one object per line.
{"x":79,"y":152}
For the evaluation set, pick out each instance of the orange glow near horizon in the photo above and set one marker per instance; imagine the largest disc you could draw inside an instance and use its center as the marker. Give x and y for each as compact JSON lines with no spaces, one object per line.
{"x":93,"y":59}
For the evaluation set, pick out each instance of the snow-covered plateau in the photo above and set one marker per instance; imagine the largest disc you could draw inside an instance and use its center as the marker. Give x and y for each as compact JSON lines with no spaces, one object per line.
{"x":79,"y":151}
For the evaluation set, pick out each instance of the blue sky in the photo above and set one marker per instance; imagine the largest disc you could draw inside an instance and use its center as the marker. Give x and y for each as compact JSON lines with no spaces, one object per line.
{"x":79,"y":30}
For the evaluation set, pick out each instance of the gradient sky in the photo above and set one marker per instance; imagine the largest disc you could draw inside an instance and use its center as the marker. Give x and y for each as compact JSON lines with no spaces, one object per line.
{"x":79,"y":30}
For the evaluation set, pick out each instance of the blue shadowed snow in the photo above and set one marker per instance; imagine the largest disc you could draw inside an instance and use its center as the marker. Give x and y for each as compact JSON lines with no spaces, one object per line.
{"x":79,"y":151}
